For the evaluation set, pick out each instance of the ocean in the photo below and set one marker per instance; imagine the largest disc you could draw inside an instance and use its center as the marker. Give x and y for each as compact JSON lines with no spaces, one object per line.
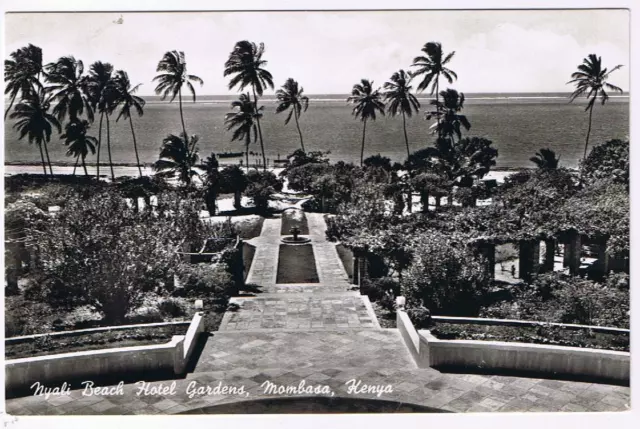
{"x":518,"y":125}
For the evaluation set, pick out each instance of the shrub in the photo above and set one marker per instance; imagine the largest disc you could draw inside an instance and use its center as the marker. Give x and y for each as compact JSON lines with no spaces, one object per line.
{"x":388,"y":301}
{"x":145,"y":315}
{"x":205,"y":281}
{"x":445,"y":276}
{"x":420,"y":317}
{"x":171,"y":307}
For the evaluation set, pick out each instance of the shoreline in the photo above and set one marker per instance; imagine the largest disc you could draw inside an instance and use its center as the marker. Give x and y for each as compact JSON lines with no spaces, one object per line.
{"x":124,"y":170}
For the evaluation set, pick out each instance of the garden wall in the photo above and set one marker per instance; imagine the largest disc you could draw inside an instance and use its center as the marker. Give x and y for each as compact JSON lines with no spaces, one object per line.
{"x":171,"y":357}
{"x":504,"y":357}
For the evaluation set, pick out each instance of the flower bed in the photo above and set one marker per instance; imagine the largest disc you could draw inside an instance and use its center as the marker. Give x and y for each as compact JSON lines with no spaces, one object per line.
{"x":548,"y":335}
{"x":49,"y":345}
{"x":294,"y":218}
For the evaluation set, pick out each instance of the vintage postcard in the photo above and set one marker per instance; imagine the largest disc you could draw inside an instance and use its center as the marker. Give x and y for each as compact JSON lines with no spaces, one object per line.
{"x":316,"y":211}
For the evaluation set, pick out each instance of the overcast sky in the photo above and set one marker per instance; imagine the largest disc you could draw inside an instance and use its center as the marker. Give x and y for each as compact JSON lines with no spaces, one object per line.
{"x":327,"y":52}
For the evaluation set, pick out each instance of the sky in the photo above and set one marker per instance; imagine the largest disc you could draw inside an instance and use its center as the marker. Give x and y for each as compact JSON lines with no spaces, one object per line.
{"x":328,"y":52}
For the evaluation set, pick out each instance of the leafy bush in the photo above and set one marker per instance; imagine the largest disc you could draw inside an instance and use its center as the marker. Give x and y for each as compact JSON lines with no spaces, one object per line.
{"x":420,"y":317}
{"x":172,"y":307}
{"x":205,"y":281}
{"x":262,"y":185}
{"x":145,"y":315}
{"x":388,"y":301}
{"x":446,"y":277}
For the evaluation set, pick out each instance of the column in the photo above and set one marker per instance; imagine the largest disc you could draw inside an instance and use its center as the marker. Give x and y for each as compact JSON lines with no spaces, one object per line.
{"x":572,"y":253}
{"x":529,"y":263}
{"x":488,"y":250}
{"x":549,"y":255}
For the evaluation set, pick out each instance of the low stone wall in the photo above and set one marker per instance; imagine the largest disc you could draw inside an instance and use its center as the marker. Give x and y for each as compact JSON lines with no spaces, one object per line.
{"x":505,"y":357}
{"x":171,"y":357}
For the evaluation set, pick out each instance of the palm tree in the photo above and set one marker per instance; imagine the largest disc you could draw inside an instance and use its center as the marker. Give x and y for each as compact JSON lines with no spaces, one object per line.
{"x":126,"y":99}
{"x":179,"y":155}
{"x":75,"y":136}
{"x":35,"y":122}
{"x":100,"y":87}
{"x":400,"y":100}
{"x":244,"y":121}
{"x":366,"y":102}
{"x":450,"y":121}
{"x":432,"y":66}
{"x":173,"y":77}
{"x":68,"y":86}
{"x":246,"y":64}
{"x":592,"y":77}
{"x":290,"y":97}
{"x":545,"y":159}
{"x":22,"y":73}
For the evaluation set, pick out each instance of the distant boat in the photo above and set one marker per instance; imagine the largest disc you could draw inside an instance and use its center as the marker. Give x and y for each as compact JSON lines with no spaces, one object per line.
{"x":230,"y":154}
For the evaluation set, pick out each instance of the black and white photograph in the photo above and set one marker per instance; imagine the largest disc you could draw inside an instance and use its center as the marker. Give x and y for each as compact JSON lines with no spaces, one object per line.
{"x":231,"y":212}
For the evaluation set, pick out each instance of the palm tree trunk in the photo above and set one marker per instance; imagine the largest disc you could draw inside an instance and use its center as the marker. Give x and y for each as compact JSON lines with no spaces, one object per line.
{"x":255,"y":106}
{"x":46,"y":151}
{"x":424,"y":196}
{"x":299,"y":132}
{"x":84,"y":166}
{"x":586,"y":144}
{"x":246,"y":152}
{"x":406,"y":139}
{"x":437,"y":104}
{"x":6,"y":112}
{"x":76,"y":165}
{"x":99,"y":144}
{"x":364,"y":129}
{"x":184,"y":129}
{"x":237,"y":199}
{"x":44,"y":165}
{"x":113,"y":176}
{"x":135,"y":146}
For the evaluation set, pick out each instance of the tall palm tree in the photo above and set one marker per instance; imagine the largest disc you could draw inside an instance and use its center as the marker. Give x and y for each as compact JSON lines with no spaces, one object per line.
{"x":244,"y":122}
{"x":68,"y":86}
{"x":100,"y":88}
{"x":592,"y":77}
{"x":246,"y":65}
{"x":290,"y":97}
{"x":366,"y":102}
{"x":432,"y":66}
{"x":449,"y":120}
{"x":22,"y":73}
{"x":35,"y":122}
{"x":179,"y":155}
{"x":173,"y":77}
{"x":545,"y":159}
{"x":126,"y":99}
{"x":75,"y":136}
{"x":400,"y":100}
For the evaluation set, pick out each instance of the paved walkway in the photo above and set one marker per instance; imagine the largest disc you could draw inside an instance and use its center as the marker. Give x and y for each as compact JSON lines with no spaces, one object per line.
{"x":322,"y":336}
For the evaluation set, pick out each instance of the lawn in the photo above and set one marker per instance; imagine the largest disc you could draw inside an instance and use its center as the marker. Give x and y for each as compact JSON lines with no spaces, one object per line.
{"x":249,"y":229}
{"x":50,"y":345}
{"x":296,"y":264}
{"x":537,"y":335}
{"x":294,"y":218}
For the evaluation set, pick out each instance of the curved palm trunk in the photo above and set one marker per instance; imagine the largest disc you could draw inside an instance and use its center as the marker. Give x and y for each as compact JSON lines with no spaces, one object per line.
{"x":76,"y":165}
{"x":364,"y":129}
{"x":99,"y":145}
{"x":135,"y":146}
{"x":437,"y":103}
{"x":113,"y":176}
{"x":44,"y":165}
{"x":6,"y":112}
{"x":255,"y":106}
{"x":84,"y":166}
{"x":46,"y":151}
{"x":246,"y":152}
{"x":299,"y":132}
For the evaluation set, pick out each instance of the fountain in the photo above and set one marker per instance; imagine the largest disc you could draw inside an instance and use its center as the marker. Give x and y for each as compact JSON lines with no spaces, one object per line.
{"x":295,"y":238}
